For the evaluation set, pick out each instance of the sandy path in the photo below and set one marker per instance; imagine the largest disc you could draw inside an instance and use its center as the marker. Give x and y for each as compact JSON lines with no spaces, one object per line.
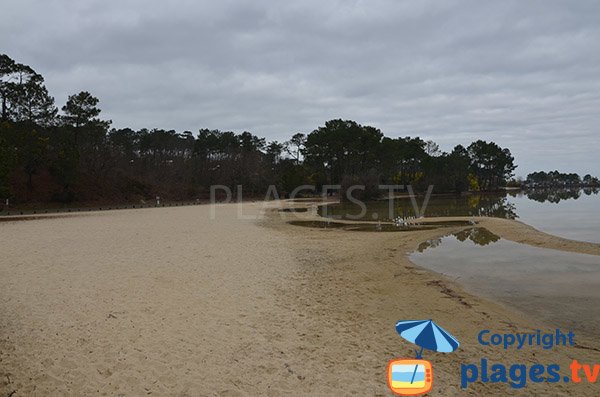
{"x":167,"y":302}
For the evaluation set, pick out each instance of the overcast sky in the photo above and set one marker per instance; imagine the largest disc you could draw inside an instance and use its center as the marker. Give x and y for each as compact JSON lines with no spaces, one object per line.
{"x":525,"y":74}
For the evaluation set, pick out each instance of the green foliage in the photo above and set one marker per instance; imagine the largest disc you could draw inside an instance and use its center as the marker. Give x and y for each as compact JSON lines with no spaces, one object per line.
{"x":81,"y":110}
{"x":273,"y":153}
{"x":369,"y":187}
{"x":401,"y":159}
{"x":23,"y":95}
{"x":590,"y":181}
{"x":342,"y":147}
{"x":473,"y":183}
{"x":515,"y":183}
{"x":491,"y":164}
{"x":295,"y":145}
{"x":292,"y":175}
{"x":64,"y":162}
{"x":7,"y":160}
{"x":32,"y":149}
{"x":558,"y":179}
{"x":87,"y":161}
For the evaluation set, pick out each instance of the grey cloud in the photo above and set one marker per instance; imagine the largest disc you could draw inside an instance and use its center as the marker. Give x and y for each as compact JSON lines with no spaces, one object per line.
{"x":521,"y":73}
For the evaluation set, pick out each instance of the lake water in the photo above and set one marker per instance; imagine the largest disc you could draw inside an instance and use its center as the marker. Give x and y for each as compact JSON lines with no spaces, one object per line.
{"x":560,"y":288}
{"x":576,"y":218}
{"x":570,"y":214}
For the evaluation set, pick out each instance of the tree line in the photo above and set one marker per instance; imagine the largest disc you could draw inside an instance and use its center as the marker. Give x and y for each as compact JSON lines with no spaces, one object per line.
{"x":74,"y":155}
{"x":555,"y":179}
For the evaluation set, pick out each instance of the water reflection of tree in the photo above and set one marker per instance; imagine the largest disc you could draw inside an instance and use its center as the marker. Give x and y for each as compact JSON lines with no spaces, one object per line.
{"x":496,"y":206}
{"x":492,"y":205}
{"x":478,"y":235}
{"x":558,"y":195}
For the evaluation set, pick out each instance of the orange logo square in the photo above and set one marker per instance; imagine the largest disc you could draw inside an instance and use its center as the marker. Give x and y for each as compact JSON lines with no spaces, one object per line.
{"x":407,"y":377}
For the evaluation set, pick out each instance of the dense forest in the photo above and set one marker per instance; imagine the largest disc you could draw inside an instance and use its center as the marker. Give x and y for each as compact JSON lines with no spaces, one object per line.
{"x":73,"y":155}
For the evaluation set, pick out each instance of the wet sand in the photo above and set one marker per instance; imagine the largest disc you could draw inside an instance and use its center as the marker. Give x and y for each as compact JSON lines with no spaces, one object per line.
{"x":166,"y":301}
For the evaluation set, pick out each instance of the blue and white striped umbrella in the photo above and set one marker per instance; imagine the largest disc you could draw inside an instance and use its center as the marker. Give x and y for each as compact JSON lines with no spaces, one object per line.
{"x":427,"y":334}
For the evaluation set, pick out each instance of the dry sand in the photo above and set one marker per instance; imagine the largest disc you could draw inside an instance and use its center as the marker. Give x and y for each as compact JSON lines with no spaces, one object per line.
{"x":169,"y":302}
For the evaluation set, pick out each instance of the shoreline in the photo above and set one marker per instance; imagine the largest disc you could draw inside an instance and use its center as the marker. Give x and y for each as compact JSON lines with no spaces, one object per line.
{"x":510,"y":229}
{"x":380,"y":273}
{"x":167,"y":301}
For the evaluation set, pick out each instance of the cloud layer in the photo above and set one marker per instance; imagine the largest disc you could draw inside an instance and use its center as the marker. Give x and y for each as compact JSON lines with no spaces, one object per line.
{"x":524,"y":74}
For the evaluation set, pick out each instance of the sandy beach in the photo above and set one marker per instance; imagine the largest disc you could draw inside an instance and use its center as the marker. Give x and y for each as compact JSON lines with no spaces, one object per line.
{"x":167,"y":301}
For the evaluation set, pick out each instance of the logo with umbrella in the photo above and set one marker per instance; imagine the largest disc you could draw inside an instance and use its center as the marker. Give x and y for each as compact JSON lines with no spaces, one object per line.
{"x":413,"y":377}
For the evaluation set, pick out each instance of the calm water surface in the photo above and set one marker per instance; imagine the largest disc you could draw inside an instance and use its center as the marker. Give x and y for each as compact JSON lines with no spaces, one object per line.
{"x":570,"y":214}
{"x":576,"y":218}
{"x":560,"y":288}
